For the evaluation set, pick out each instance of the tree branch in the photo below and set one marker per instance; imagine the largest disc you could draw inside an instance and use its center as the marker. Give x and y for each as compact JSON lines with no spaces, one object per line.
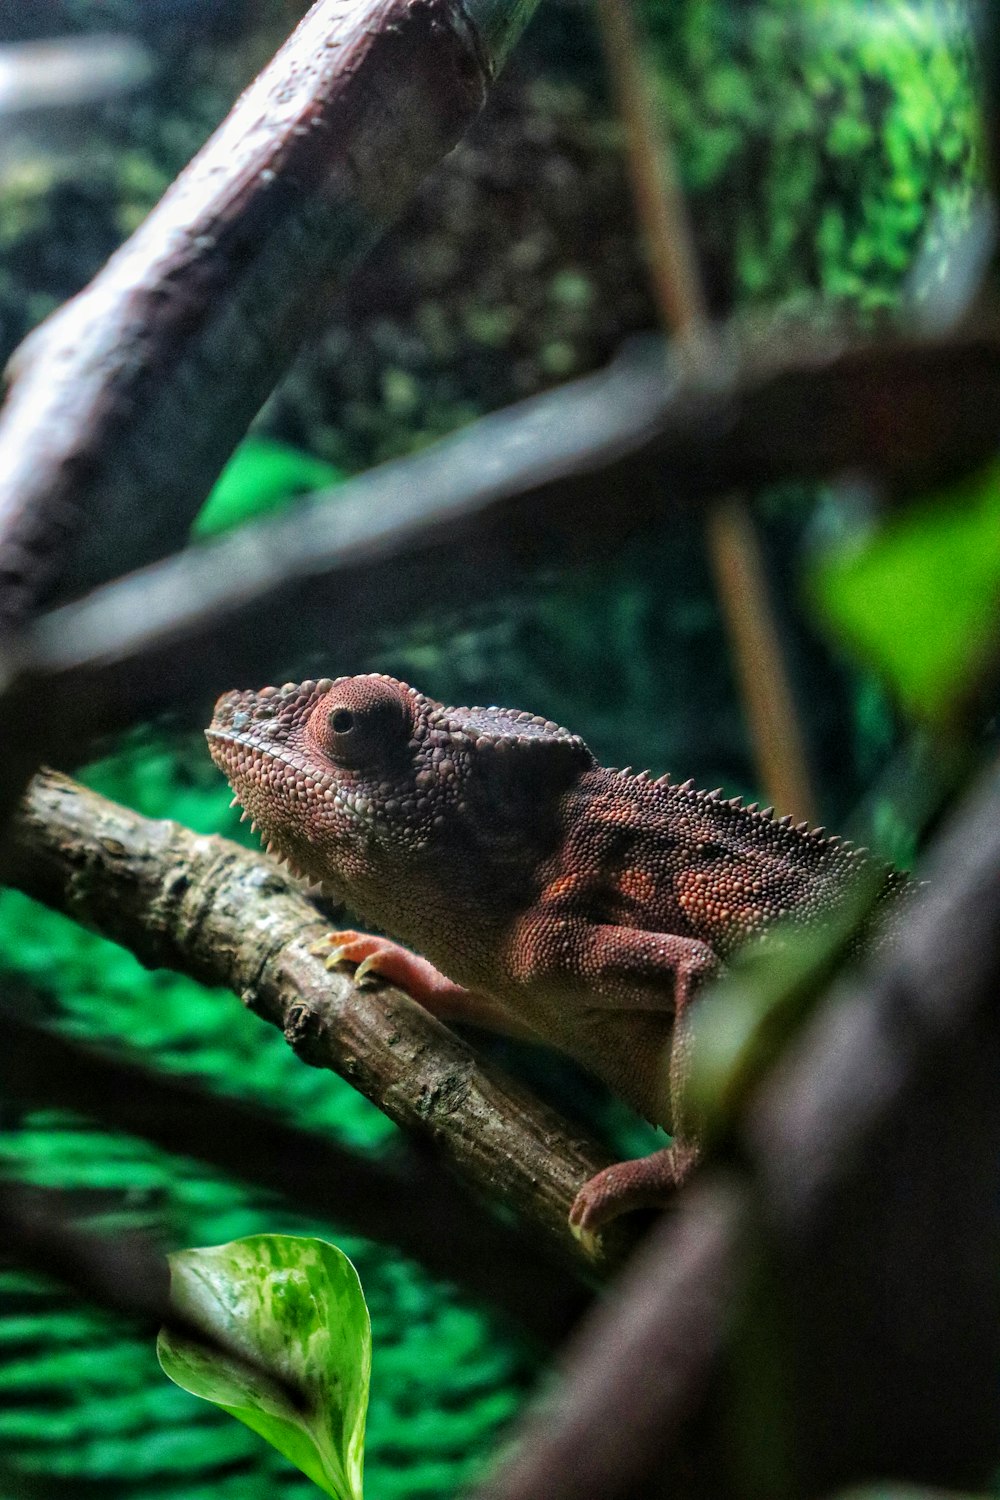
{"x":406,"y":1202}
{"x":205,"y":907}
{"x":564,"y":477}
{"x":127,"y":402}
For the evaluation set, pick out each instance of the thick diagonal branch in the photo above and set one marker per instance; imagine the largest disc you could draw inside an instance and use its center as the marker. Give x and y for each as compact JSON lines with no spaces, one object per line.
{"x":126,"y":404}
{"x":557,"y":480}
{"x":207,"y":908}
{"x":405,"y":1201}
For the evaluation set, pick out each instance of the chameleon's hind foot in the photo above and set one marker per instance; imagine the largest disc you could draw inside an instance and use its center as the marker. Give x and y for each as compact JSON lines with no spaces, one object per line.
{"x":648,"y":1182}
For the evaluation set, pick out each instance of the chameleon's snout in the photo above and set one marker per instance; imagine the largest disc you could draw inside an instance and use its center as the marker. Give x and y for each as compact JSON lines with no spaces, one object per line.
{"x":226,"y":710}
{"x":290,"y":704}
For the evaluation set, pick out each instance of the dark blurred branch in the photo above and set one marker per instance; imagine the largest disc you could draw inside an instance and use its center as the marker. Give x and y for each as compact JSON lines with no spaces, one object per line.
{"x":207,"y":908}
{"x":127,"y":402}
{"x":406,"y":1202}
{"x":873,"y":1150}
{"x":639,"y":1365}
{"x":123,"y":1274}
{"x":127,"y":1273}
{"x":554,"y":481}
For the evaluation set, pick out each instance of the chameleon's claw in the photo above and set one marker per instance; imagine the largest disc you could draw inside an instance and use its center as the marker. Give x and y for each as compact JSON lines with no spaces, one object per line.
{"x":366,"y":975}
{"x":361,"y":950}
{"x":589,"y":1239}
{"x":338,"y":947}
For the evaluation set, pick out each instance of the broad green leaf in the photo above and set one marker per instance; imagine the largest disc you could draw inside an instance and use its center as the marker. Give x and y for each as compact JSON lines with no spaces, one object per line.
{"x":920,"y":599}
{"x":295,"y":1307}
{"x":261,"y":476}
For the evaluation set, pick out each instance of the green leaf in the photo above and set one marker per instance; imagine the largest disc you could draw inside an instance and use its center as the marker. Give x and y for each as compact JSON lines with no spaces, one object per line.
{"x":295,"y":1307}
{"x":261,"y":476}
{"x":920,"y":599}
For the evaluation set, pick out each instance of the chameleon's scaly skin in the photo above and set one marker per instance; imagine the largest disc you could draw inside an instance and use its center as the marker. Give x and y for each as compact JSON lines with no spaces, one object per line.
{"x":561,"y":899}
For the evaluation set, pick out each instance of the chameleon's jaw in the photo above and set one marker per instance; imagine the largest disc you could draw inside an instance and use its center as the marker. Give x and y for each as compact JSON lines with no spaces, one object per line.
{"x":228,"y":752}
{"x":308,"y":811}
{"x":271,"y":776}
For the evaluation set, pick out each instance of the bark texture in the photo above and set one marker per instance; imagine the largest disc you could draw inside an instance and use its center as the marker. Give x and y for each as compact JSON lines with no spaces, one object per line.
{"x":127,"y":402}
{"x":205,"y":907}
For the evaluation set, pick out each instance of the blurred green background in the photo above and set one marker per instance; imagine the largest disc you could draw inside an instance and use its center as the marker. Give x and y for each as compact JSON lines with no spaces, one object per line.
{"x":829,"y":149}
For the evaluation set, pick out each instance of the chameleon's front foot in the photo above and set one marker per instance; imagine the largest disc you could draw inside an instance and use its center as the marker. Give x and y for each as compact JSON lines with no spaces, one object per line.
{"x":379,"y":958}
{"x":648,"y":1182}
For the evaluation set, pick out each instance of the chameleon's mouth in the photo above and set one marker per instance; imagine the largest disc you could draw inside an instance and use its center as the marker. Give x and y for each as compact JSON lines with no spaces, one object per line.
{"x":248,"y":767}
{"x":224,"y":746}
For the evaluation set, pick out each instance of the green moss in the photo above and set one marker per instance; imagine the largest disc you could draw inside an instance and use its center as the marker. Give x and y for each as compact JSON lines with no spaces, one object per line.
{"x":788,"y":113}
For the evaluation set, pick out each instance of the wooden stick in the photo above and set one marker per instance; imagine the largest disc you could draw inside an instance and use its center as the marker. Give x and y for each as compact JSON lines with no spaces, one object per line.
{"x":733,"y":546}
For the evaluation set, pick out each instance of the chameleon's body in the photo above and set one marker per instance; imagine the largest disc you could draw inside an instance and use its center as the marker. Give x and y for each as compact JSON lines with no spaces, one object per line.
{"x":560,"y":899}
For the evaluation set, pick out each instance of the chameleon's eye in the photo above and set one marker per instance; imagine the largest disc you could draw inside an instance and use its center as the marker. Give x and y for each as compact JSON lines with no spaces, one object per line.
{"x":362,"y":720}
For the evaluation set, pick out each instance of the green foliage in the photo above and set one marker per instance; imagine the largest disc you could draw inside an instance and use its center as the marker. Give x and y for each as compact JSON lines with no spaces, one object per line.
{"x":295,"y":1308}
{"x":742,"y":1024}
{"x":821,"y":140}
{"x":262,"y":476}
{"x":919,"y":599}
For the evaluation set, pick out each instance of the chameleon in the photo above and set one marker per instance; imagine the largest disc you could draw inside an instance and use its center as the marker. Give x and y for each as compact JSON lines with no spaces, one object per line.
{"x":536,"y":892}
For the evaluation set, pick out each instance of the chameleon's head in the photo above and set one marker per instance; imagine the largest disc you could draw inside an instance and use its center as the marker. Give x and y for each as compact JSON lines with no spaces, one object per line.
{"x":351,"y":779}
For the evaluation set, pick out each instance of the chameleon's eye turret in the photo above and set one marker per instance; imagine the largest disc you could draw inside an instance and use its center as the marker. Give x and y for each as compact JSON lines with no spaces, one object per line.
{"x":361,"y":720}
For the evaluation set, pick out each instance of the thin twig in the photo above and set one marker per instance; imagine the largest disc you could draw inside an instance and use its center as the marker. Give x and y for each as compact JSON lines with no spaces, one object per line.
{"x":759,"y":658}
{"x":656,"y":188}
{"x":733,"y":545}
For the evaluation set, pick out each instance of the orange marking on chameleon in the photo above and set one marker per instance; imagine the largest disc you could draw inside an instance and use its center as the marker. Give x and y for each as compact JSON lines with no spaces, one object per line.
{"x":563,"y":886}
{"x":638,"y":885}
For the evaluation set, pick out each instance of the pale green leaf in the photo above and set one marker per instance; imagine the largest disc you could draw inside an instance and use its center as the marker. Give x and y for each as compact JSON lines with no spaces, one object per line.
{"x":294,"y":1307}
{"x":920,"y":598}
